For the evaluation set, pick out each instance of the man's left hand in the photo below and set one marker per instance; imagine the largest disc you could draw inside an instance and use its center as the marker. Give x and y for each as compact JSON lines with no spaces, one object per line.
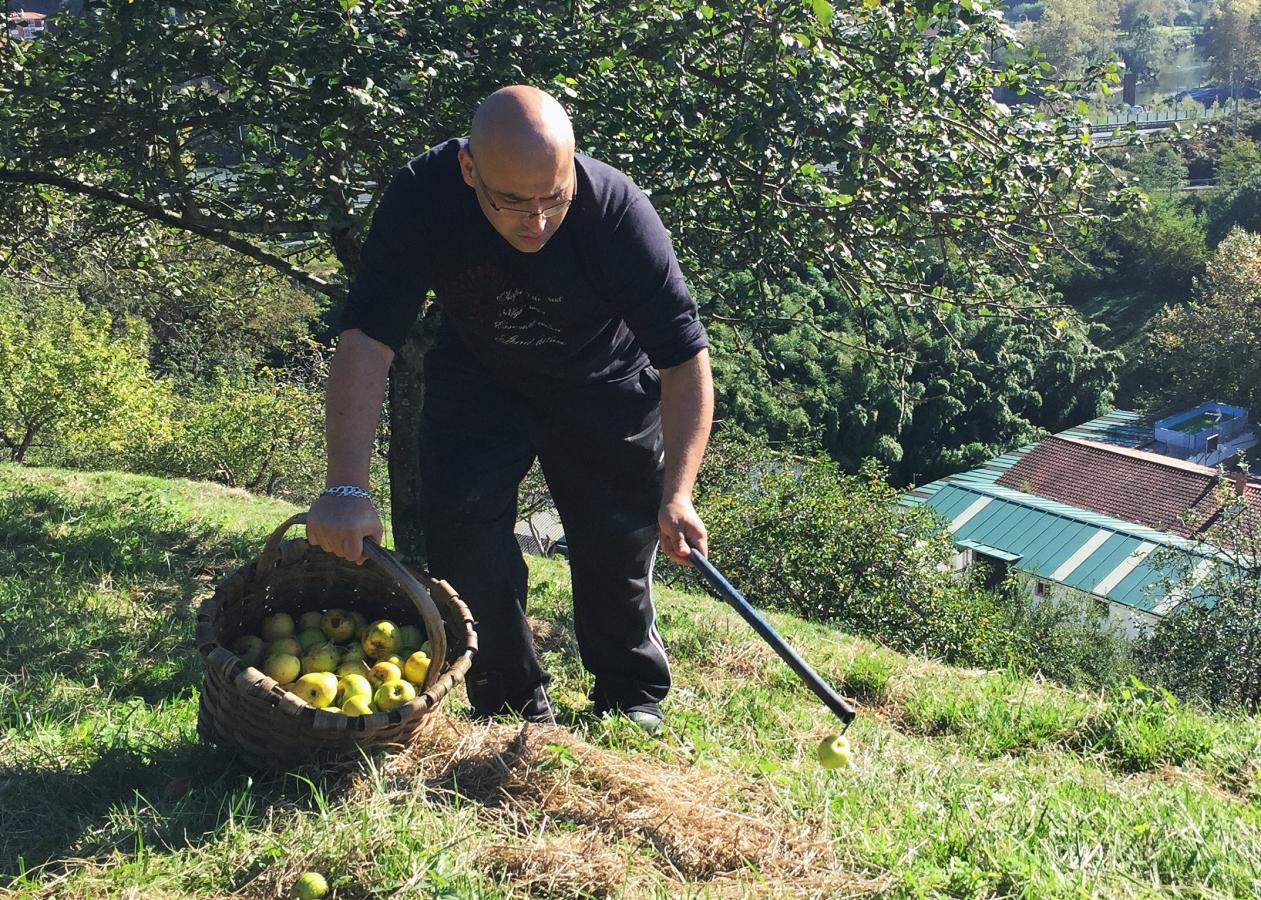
{"x":681,"y":529}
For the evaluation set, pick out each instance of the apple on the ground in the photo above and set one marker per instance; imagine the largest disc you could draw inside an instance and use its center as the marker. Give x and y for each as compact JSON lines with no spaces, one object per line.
{"x":309,"y":886}
{"x":834,"y":752}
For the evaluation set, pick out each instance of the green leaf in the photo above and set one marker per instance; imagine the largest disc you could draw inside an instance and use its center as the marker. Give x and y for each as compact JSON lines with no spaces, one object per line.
{"x":823,"y":11}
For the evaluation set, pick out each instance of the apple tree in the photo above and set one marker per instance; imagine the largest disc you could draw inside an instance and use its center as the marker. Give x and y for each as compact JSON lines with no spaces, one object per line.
{"x":865,"y":142}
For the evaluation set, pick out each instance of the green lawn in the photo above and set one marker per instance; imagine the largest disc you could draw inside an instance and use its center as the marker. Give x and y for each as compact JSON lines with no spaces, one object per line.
{"x":966,"y":783}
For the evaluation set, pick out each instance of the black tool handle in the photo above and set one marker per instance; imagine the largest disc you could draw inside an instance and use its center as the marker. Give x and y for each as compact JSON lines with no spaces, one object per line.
{"x":821,"y":688}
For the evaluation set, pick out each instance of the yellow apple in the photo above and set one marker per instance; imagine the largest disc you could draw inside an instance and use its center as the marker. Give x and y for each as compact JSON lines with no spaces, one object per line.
{"x":317,"y":688}
{"x":834,"y":752}
{"x":309,"y":886}
{"x":288,"y":645}
{"x":338,"y":625}
{"x":322,"y":658}
{"x":379,"y":640}
{"x":357,"y":706}
{"x":284,"y":667}
{"x":310,"y":619}
{"x":393,"y":694}
{"x":416,"y":668}
{"x":250,"y":648}
{"x":277,"y":626}
{"x":353,"y":686}
{"x":382,"y":672}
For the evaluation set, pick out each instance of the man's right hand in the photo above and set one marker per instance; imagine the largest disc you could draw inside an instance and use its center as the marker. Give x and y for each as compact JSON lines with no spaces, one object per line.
{"x":339,"y":525}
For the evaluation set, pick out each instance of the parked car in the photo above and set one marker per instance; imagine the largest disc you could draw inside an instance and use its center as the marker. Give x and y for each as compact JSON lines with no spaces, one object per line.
{"x":560,"y":547}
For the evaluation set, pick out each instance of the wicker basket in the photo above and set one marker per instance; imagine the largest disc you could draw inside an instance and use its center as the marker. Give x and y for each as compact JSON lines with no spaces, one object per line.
{"x":244,"y":710}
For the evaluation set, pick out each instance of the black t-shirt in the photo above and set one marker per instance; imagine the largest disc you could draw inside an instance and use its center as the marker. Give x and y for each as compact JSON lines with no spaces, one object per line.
{"x":599,"y":301}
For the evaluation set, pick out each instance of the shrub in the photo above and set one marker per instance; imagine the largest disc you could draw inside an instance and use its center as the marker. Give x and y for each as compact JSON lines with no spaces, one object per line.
{"x":69,"y":379}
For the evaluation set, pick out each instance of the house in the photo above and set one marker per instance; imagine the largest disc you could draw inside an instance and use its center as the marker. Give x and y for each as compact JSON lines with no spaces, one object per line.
{"x":25,"y":25}
{"x":1108,"y":510}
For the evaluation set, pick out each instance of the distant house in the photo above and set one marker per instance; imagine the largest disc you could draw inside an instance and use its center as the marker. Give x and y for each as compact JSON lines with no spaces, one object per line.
{"x":26,"y":25}
{"x":1088,"y":512}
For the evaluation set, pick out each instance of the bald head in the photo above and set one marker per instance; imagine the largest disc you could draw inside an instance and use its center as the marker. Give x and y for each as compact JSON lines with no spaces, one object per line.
{"x":521,"y":123}
{"x":520,"y":164}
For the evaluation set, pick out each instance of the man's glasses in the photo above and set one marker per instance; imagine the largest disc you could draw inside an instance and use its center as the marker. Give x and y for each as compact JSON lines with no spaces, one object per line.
{"x":546,"y":213}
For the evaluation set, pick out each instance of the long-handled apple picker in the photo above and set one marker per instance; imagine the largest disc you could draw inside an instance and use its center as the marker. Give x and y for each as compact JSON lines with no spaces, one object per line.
{"x":821,"y":688}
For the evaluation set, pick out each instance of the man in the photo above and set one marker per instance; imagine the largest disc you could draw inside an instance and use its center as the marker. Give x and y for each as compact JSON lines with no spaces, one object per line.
{"x":566,"y":333}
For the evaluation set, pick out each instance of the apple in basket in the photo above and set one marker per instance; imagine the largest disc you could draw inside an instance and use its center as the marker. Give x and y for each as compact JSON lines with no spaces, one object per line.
{"x":250,"y":648}
{"x":382,"y":672}
{"x":408,"y":636}
{"x":310,"y":637}
{"x":338,"y":625}
{"x":283,"y":667}
{"x":322,"y":658}
{"x":317,"y":688}
{"x":357,"y":706}
{"x":353,"y":686}
{"x":352,"y":667}
{"x":416,"y":667}
{"x":310,"y":619}
{"x":288,"y":645}
{"x":380,"y":639}
{"x":277,"y":626}
{"x":394,"y":694}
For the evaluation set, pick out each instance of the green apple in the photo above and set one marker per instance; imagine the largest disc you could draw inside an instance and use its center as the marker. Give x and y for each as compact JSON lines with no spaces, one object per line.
{"x":353,"y":667}
{"x":353,"y":653}
{"x":309,"y":886}
{"x":277,"y":626}
{"x":284,"y":667}
{"x":360,"y":623}
{"x":394,"y":694}
{"x":317,"y":688}
{"x":337,"y":625}
{"x":408,"y":636}
{"x":250,"y":648}
{"x":416,"y":668}
{"x":353,"y":686}
{"x":357,"y":706}
{"x":289,"y":645}
{"x":834,"y":752}
{"x":321,"y":658}
{"x":310,"y":619}
{"x":379,"y":640}
{"x":382,"y":672}
{"x":309,"y":637}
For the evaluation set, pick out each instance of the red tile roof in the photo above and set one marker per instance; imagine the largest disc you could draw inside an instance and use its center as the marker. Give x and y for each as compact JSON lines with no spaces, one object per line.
{"x":1147,"y":488}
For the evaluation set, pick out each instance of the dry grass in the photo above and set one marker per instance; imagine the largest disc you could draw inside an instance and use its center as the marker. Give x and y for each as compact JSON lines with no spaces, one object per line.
{"x":577,"y":812}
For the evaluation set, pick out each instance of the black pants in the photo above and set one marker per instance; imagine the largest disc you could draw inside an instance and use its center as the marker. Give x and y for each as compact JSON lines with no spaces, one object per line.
{"x":601,"y":451}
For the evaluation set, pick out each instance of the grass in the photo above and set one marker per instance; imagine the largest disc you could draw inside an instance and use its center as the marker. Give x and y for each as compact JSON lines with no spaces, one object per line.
{"x":967,"y":783}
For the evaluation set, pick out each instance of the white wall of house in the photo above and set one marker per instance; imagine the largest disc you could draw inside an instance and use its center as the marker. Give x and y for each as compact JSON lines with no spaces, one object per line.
{"x":1128,"y":621}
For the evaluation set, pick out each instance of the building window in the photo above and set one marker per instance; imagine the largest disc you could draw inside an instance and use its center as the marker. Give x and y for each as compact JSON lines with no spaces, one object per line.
{"x":1039,"y":588}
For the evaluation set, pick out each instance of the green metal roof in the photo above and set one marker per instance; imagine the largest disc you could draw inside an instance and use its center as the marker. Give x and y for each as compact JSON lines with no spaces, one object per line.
{"x":1113,"y":559}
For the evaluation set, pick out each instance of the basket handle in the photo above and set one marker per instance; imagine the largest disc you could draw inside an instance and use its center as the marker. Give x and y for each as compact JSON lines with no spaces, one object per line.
{"x":385,"y":561}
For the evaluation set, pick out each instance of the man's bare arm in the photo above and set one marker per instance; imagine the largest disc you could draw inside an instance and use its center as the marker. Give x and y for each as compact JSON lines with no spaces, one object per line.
{"x":687,"y":415}
{"x":352,"y":411}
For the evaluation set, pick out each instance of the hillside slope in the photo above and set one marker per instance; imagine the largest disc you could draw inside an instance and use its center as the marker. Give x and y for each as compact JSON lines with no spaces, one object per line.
{"x":966,"y":783}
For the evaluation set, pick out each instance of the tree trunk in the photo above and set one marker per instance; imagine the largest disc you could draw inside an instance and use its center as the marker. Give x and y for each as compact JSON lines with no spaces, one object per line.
{"x":406,"y":395}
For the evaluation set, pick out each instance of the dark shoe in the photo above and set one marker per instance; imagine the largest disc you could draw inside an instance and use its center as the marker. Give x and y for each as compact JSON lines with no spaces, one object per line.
{"x":486,"y":693}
